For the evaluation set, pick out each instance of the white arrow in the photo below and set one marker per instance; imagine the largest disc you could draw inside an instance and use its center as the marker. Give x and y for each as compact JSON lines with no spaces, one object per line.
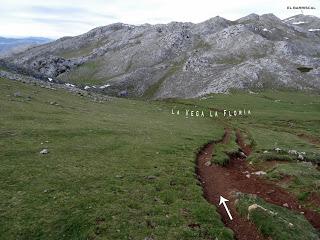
{"x":223,"y":201}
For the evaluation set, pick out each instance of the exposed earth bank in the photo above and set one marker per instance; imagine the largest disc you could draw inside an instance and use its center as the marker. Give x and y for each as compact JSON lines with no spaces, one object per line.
{"x":231,"y":179}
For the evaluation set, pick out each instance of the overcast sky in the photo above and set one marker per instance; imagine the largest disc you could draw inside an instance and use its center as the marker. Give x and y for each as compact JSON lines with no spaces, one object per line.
{"x":58,"y":18}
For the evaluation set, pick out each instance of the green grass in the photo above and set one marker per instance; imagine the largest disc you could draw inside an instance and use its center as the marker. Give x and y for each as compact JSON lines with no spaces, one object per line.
{"x":151,"y":91}
{"x":125,"y":169}
{"x":221,"y":151}
{"x":277,"y":120}
{"x":305,"y":178}
{"x":84,"y":74}
{"x":122,"y":169}
{"x":83,"y":51}
{"x":276,"y":222}
{"x":2,"y":68}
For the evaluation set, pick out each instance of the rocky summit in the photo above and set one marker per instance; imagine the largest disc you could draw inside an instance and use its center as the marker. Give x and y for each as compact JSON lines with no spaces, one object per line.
{"x":182,"y":60}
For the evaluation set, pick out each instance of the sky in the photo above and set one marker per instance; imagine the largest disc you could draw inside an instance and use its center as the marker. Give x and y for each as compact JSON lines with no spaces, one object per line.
{"x":58,"y":18}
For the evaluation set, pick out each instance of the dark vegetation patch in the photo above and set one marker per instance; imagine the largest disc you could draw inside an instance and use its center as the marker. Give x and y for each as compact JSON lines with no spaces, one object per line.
{"x":304,"y":69}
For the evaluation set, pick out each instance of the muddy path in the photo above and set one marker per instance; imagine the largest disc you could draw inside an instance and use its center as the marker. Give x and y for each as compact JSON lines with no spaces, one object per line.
{"x":235,"y":177}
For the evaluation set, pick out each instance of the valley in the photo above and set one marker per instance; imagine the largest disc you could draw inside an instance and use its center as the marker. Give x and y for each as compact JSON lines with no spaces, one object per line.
{"x":127,"y":168}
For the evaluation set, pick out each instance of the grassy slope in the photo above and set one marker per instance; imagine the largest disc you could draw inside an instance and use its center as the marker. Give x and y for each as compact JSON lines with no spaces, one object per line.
{"x":273,"y":124}
{"x":121,"y":169}
{"x":125,"y":168}
{"x":276,"y":222}
{"x":84,"y":74}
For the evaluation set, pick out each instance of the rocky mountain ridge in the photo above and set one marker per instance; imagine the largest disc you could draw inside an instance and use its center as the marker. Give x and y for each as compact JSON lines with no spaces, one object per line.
{"x":182,"y":60}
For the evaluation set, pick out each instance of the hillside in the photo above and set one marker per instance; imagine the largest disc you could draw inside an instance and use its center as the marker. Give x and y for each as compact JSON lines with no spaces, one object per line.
{"x":128,"y":169}
{"x":183,"y":60}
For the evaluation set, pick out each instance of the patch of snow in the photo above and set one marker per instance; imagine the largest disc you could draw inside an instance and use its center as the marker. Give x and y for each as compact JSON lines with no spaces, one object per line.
{"x":104,"y":86}
{"x":266,"y":30}
{"x":287,"y":20}
{"x":86,"y":87}
{"x":70,"y":85}
{"x":50,"y":79}
{"x":314,"y":30}
{"x":298,"y":23}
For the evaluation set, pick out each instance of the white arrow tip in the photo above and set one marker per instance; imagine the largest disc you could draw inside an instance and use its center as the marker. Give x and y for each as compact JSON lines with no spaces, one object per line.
{"x":222,"y":200}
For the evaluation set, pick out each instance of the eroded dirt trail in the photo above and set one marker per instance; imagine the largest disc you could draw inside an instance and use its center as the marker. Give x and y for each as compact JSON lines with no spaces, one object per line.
{"x":226,"y":181}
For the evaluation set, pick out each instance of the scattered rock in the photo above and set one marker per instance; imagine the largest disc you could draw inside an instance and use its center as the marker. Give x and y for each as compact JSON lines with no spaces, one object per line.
{"x":277,"y":150}
{"x":293,"y":152}
{"x":248,"y":176}
{"x":285,"y":205}
{"x":44,"y":151}
{"x":259,"y":173}
{"x":300,"y":157}
{"x":17,"y":94}
{"x":208,"y":163}
{"x":265,"y":151}
{"x":253,"y":207}
{"x":242,"y":154}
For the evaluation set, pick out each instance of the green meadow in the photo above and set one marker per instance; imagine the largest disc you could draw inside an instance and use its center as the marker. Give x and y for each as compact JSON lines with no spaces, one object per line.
{"x":125,"y":169}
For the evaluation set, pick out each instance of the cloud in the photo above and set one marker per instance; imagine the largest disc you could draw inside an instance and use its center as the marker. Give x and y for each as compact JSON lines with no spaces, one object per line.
{"x":60,"y":17}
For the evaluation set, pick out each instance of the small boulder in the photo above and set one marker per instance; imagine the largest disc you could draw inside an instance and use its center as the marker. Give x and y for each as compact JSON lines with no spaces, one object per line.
{"x":44,"y":151}
{"x":293,"y":152}
{"x":17,"y":94}
{"x":277,"y":150}
{"x":208,"y":163}
{"x":253,"y":207}
{"x":300,"y":157}
{"x":259,"y":173}
{"x":242,"y":154}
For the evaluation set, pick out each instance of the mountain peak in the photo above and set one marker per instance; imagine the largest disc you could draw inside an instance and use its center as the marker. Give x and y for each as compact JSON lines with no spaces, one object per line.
{"x":182,"y":59}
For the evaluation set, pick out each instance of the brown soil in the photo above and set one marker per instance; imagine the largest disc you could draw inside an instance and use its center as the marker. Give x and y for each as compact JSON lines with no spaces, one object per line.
{"x":225,"y":181}
{"x":244,"y":147}
{"x":314,"y":199}
{"x":310,"y":139}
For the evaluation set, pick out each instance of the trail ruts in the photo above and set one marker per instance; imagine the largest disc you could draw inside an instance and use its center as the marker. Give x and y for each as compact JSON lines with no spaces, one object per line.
{"x":225,"y":181}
